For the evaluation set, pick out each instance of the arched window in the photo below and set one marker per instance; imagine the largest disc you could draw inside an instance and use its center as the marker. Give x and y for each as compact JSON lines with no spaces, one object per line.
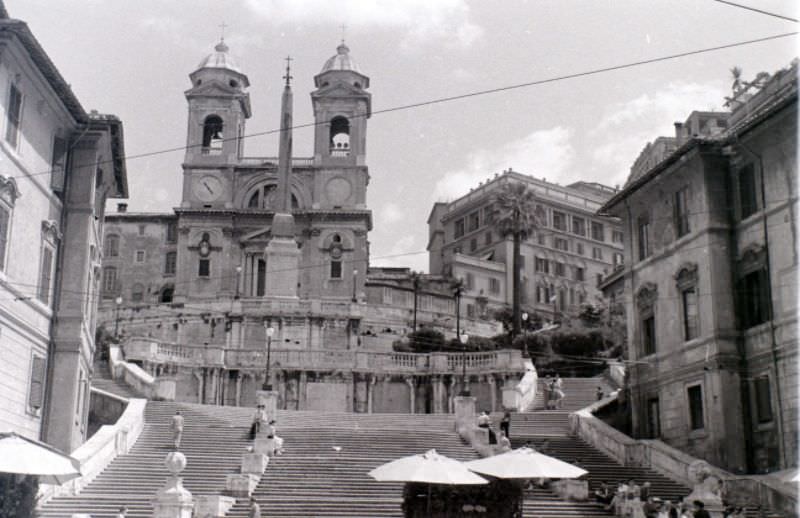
{"x":112,"y":245}
{"x":166,"y":293}
{"x":340,"y":137}
{"x":264,"y":198}
{"x":212,"y":135}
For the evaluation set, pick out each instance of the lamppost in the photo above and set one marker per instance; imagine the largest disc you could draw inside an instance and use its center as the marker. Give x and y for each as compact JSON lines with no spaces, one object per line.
{"x":464,"y":386}
{"x":525,"y":333}
{"x":118,"y":303}
{"x":238,"y":279}
{"x":267,"y":385}
{"x":355,"y":279}
{"x":457,"y":291}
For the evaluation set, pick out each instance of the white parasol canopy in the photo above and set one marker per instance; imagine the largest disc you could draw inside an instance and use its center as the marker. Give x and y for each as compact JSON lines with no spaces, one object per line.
{"x":430,"y":468}
{"x":25,"y":456}
{"x":525,"y":463}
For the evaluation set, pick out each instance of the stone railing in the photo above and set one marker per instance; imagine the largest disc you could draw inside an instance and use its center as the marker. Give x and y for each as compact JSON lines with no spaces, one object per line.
{"x":149,"y":350}
{"x":137,"y":378}
{"x":103,"y":447}
{"x":672,"y":463}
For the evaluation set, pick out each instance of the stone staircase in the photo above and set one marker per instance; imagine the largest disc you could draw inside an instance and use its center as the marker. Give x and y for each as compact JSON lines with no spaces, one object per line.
{"x":101,"y":379}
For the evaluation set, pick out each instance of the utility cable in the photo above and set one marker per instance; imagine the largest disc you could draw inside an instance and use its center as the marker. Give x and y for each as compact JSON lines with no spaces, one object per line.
{"x":757,"y":10}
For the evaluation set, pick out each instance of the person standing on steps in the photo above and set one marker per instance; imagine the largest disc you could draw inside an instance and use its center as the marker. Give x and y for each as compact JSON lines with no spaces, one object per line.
{"x":255,"y":509}
{"x":176,"y":426}
{"x":558,"y":388}
{"x":699,"y":510}
{"x":505,"y":423}
{"x":599,"y":393}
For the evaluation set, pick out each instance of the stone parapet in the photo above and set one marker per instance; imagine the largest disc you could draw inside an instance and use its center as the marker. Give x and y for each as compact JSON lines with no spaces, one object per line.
{"x":213,"y":506}
{"x":241,"y":485}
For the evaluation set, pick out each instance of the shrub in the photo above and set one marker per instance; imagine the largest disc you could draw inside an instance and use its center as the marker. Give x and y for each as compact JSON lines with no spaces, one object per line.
{"x":18,"y":496}
{"x":426,"y":340}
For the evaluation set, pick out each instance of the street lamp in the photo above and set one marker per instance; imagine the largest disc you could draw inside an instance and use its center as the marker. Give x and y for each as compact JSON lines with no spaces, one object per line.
{"x":355,"y":279}
{"x":118,"y":302}
{"x":238,"y":279}
{"x":525,"y":332}
{"x":267,"y":385}
{"x":457,"y":291}
{"x":464,"y":386}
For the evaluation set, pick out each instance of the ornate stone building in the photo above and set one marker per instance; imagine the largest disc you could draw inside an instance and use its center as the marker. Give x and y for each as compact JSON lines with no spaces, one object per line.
{"x":279,"y":245}
{"x":710,"y":219}
{"x":57,"y":165}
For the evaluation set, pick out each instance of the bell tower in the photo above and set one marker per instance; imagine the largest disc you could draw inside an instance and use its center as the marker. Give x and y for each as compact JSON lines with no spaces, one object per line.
{"x":341,"y":109}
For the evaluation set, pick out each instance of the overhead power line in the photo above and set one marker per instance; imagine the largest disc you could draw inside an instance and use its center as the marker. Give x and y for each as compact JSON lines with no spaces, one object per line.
{"x":775,"y":15}
{"x":452,"y":98}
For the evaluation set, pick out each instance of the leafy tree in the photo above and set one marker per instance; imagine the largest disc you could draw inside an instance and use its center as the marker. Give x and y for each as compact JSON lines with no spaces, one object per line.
{"x":426,"y":340}
{"x":515,"y":206}
{"x":18,"y":496}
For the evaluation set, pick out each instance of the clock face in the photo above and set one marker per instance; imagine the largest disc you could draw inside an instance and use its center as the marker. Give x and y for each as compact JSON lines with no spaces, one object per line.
{"x":207,"y":188}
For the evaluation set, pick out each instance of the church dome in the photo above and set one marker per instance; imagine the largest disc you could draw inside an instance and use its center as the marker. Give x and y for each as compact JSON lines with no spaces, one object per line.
{"x":220,"y":59}
{"x":341,"y":61}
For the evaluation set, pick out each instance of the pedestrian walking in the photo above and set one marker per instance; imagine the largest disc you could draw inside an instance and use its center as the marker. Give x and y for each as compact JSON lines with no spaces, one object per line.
{"x":700,"y":510}
{"x":558,"y":388}
{"x":599,"y":393}
{"x":255,"y":509}
{"x":176,"y":426}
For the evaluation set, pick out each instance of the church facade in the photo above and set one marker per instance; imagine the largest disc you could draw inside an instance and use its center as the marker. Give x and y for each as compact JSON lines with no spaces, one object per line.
{"x":275,"y":251}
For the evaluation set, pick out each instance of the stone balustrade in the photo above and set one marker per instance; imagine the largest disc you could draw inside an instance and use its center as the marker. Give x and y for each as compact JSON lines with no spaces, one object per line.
{"x":149,"y":350}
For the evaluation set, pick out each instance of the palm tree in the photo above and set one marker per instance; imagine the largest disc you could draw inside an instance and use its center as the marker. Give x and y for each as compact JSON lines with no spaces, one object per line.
{"x":515,"y":208}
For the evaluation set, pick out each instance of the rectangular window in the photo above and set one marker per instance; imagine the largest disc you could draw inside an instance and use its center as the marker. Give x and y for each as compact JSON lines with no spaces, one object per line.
{"x":578,"y":226}
{"x":204,"y":268}
{"x":36,"y":390}
{"x":618,"y":259}
{"x":141,"y":229}
{"x":458,"y":228}
{"x":645,"y":248}
{"x":763,"y":399}
{"x":487,"y":237}
{"x":172,"y":233}
{"x":748,"y":193}
{"x":170,"y":261}
{"x":561,"y":244}
{"x":58,"y":164}
{"x":470,"y":282}
{"x":488,"y":215}
{"x":112,"y":245}
{"x":46,"y":274}
{"x":579,"y":273}
{"x":597,"y":253}
{"x":598,"y":232}
{"x":13,"y":115}
{"x":617,"y":236}
{"x":682,"y":212}
{"x":695,"y":395}
{"x":473,"y":244}
{"x":560,"y":269}
{"x":494,"y":286}
{"x":474,"y":221}
{"x":559,"y":220}
{"x":579,"y":248}
{"x":540,"y":239}
{"x":140,"y":256}
{"x":542,"y":265}
{"x":653,"y":418}
{"x":599,"y":278}
{"x":5,"y":221}
{"x":109,"y":279}
{"x":336,"y":269}
{"x":690,"y":316}
{"x":648,"y":335}
{"x":387,"y":295}
{"x":753,"y":300}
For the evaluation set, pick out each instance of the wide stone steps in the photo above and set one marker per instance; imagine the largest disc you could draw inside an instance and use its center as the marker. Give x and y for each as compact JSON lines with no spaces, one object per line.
{"x":579,"y":392}
{"x":101,"y":379}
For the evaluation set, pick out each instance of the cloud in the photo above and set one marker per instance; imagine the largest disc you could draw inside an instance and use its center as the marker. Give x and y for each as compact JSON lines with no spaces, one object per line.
{"x":545,"y":153}
{"x":390,"y":213}
{"x":422,"y":20}
{"x":403,"y":254}
{"x":172,"y":29}
{"x":627,"y":127}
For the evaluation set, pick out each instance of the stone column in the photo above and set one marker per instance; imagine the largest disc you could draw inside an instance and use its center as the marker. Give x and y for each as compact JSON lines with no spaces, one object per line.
{"x":492,"y":391}
{"x":465,"y":411}
{"x":239,"y":388}
{"x":451,"y":389}
{"x":173,"y":500}
{"x":370,"y":391}
{"x":200,"y":385}
{"x":350,"y":392}
{"x":301,"y":391}
{"x":281,"y":383}
{"x":412,"y":390}
{"x":436,"y":383}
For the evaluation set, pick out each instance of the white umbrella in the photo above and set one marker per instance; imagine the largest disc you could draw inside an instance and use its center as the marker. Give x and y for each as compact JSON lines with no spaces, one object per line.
{"x":430,"y":468}
{"x":525,"y":463}
{"x":25,"y":456}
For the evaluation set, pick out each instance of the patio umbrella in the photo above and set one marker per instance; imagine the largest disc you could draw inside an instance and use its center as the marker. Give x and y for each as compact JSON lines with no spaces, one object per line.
{"x":524,"y":463}
{"x":429,"y":468}
{"x":25,"y":456}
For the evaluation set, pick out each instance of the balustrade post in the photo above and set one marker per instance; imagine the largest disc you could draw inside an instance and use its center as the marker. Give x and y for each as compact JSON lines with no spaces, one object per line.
{"x":411,"y":385}
{"x":370,"y":391}
{"x":492,"y":390}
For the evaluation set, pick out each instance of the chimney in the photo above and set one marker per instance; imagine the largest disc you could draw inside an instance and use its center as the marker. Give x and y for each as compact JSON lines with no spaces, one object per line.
{"x":679,"y":130}
{"x":122,"y":207}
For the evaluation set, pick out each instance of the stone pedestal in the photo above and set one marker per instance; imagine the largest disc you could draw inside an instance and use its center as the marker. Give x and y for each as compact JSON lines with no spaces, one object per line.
{"x":707,"y":488}
{"x":464,"y":407}
{"x":173,"y":500}
{"x":241,"y":485}
{"x":213,"y":506}
{"x":264,"y":446}
{"x":568,"y":489}
{"x":254,"y":463}
{"x":283,"y":258}
{"x":268,"y":398}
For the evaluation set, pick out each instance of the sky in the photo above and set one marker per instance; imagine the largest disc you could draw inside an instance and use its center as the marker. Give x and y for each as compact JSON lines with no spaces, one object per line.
{"x":133,"y":59}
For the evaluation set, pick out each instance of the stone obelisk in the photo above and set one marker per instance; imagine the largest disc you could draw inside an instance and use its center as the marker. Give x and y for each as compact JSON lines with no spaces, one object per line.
{"x":281,"y":254}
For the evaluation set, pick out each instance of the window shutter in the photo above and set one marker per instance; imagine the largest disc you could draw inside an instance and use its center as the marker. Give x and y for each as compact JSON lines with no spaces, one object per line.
{"x":58,"y":164}
{"x":3,"y":236}
{"x":37,"y":383}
